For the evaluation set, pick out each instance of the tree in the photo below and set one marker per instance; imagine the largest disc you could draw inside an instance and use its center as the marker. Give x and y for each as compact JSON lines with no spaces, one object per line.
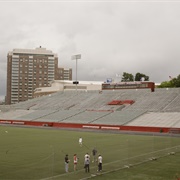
{"x":139,"y":76}
{"x":127,"y":77}
{"x":166,"y":84}
{"x":175,"y":82}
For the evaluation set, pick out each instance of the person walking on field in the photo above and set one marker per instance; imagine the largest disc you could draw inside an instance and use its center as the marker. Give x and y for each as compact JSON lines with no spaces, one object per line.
{"x":66,"y":159}
{"x":99,"y":163}
{"x":80,"y":141}
{"x":75,"y":162}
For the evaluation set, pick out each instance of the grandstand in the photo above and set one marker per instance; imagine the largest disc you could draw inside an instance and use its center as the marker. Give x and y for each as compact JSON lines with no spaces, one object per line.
{"x":150,"y":111}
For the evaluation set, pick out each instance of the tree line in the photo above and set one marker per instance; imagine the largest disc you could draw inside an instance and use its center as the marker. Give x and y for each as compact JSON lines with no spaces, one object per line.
{"x":126,"y":77}
{"x":172,"y":83}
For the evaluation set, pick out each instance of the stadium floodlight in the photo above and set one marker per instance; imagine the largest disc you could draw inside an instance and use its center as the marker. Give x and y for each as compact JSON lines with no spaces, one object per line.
{"x":76,"y":57}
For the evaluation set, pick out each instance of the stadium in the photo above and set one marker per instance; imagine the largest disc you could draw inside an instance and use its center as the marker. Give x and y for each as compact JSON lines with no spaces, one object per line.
{"x":136,"y":130}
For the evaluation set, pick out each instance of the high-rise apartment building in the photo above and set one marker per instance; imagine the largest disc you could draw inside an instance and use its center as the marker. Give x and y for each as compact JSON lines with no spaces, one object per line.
{"x":28,"y":69}
{"x":64,"y":74}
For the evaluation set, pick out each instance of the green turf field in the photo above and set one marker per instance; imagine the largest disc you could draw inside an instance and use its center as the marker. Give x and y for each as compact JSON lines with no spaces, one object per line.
{"x":32,"y":153}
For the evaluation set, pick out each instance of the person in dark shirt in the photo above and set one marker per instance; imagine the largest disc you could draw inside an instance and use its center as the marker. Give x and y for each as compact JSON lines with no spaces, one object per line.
{"x":66,"y":159}
{"x":94,"y":152}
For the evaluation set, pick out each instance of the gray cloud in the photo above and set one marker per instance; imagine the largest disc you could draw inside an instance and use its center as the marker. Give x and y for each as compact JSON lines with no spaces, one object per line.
{"x":113,"y":37}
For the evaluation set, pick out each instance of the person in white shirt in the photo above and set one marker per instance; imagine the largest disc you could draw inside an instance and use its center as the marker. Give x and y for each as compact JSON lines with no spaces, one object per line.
{"x":87,"y":156}
{"x":99,"y":163}
{"x":75,"y":158}
{"x":86,"y":163}
{"x":80,"y":141}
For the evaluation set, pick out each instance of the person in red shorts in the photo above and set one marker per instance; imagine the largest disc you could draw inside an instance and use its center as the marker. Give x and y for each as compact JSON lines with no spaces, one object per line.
{"x":75,"y":162}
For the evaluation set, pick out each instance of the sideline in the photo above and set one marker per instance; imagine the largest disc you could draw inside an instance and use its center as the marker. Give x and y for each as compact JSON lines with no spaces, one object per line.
{"x":97,"y":130}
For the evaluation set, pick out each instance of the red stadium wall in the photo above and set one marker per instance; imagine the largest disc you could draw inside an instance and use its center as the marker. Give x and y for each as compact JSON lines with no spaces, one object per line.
{"x":90,"y":126}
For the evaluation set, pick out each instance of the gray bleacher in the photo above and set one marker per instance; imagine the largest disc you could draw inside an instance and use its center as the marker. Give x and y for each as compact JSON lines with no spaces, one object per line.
{"x":176,"y":125}
{"x":119,"y":118}
{"x":157,"y":119}
{"x":173,"y":106}
{"x":86,"y":117}
{"x":160,"y":100}
{"x":59,"y":116}
{"x":14,"y":114}
{"x":92,"y":107}
{"x":154,"y":101}
{"x":35,"y":114}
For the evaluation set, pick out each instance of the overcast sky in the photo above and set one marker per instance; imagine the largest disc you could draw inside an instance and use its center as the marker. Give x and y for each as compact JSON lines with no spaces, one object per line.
{"x":112,"y":36}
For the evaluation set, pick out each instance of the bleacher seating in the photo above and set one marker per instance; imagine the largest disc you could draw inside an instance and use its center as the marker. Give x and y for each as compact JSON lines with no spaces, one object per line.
{"x":159,"y":108}
{"x":157,"y":119}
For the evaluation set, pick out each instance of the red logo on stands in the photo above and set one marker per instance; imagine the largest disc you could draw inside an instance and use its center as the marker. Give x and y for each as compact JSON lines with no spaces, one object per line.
{"x":121,"y":102}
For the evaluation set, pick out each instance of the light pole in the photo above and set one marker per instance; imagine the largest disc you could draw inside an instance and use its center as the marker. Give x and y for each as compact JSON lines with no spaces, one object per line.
{"x":76,"y":57}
